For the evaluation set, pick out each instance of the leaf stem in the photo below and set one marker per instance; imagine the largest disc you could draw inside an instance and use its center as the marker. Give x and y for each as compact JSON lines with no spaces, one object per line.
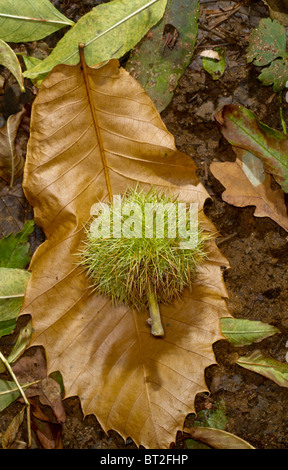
{"x":94,"y":117}
{"x":156,"y":324}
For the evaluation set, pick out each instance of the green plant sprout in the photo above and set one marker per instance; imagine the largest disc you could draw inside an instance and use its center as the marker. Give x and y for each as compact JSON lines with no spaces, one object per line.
{"x":143,"y":271}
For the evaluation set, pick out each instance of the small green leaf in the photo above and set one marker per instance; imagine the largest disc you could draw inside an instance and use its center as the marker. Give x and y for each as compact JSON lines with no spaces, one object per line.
{"x":108,"y":31}
{"x":9,"y":59}
{"x":9,"y":311}
{"x":216,"y":419}
{"x":12,"y":289}
{"x":243,"y":332}
{"x":267,"y":45}
{"x":8,"y":393}
{"x":215,"y":67}
{"x":7,"y":326}
{"x":14,"y":249}
{"x":276,"y":74}
{"x":267,"y":42}
{"x":29,"y":20}
{"x":267,"y":366}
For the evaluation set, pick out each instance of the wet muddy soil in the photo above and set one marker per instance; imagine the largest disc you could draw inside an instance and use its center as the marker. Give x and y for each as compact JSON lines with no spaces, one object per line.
{"x":256,"y":248}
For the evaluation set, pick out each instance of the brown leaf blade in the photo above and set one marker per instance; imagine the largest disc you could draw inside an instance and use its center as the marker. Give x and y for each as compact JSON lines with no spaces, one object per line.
{"x":134,"y":383}
{"x":250,"y":187}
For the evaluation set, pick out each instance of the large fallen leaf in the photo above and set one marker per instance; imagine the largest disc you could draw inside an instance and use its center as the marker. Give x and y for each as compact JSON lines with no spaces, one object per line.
{"x":29,"y":20}
{"x":11,"y":162}
{"x":163,"y":55}
{"x":108,"y":30}
{"x":247,"y":184}
{"x":242,"y":129}
{"x":136,"y":384}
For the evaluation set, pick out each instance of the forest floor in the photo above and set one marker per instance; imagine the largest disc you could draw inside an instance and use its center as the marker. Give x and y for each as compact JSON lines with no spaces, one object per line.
{"x":256,"y":248}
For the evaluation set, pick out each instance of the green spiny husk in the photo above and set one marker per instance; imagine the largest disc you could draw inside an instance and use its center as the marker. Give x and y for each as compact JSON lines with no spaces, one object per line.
{"x":126,"y":269}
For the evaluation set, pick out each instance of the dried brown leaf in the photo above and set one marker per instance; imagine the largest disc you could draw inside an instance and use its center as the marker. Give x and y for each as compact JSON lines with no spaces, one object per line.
{"x":251,"y":186}
{"x":11,"y":431}
{"x":11,"y":161}
{"x":33,"y":367}
{"x":136,"y":384}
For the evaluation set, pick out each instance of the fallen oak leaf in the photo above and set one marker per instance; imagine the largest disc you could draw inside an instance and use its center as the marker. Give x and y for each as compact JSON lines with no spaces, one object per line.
{"x":95,"y":132}
{"x":247,"y":184}
{"x":242,"y":129}
{"x":33,"y":367}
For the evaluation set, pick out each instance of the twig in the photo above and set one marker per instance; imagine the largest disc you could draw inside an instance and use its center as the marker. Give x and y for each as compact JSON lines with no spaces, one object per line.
{"x":225,"y":239}
{"x":11,"y":390}
{"x":217,"y":23}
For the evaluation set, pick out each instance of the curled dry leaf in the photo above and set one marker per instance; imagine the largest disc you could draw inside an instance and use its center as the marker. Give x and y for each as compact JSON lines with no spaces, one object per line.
{"x":95,"y":131}
{"x":11,"y":162}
